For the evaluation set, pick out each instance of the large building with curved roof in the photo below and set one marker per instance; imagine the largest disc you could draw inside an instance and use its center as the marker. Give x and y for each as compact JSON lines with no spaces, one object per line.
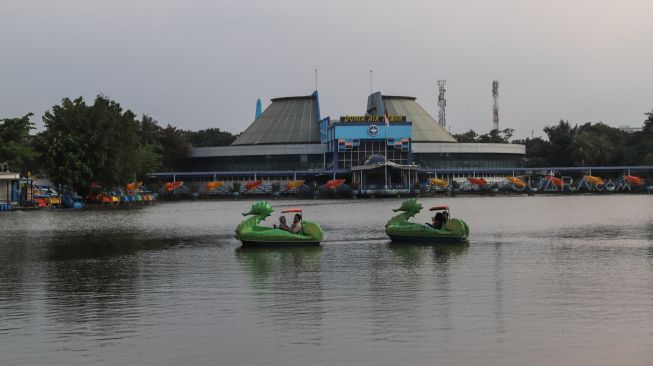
{"x":291,"y":139}
{"x":289,"y":120}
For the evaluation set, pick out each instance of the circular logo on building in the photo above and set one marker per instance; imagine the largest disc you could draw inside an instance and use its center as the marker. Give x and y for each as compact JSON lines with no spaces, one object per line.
{"x":373,"y":130}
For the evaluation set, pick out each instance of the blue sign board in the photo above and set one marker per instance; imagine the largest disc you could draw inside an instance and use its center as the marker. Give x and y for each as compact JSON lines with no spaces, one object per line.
{"x":367,"y":132}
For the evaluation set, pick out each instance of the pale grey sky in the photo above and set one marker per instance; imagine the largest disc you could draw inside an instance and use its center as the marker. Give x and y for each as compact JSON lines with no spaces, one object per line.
{"x":200,"y":64}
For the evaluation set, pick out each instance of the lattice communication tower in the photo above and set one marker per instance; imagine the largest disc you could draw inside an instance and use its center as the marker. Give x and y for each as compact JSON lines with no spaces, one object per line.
{"x":495,"y":106}
{"x":442,"y":104}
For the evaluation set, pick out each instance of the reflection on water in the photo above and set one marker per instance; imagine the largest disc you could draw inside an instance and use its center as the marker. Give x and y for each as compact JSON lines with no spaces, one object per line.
{"x":283,"y":266}
{"x":412,"y":255}
{"x":168,"y":285}
{"x":288,"y":289}
{"x":101,"y":245}
{"x":405,"y":303}
{"x":86,"y":275}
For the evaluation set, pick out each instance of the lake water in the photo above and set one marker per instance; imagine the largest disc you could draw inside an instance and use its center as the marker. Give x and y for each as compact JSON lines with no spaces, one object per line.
{"x":545,"y":280}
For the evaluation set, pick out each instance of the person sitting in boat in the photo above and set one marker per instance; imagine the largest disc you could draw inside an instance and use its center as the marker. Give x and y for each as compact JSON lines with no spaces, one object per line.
{"x":283,"y":225}
{"x":437,"y":221}
{"x":445,"y":217}
{"x":296,"y":226}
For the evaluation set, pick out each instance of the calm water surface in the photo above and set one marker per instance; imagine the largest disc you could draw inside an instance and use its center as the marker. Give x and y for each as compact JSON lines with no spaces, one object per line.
{"x":544,"y":280}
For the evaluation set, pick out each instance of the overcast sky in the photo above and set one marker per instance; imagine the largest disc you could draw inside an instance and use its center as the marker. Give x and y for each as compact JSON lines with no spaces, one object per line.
{"x":200,"y":64}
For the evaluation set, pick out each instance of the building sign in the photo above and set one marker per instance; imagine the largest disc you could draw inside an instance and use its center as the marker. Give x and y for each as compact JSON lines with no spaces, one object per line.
{"x":397,"y":119}
{"x":372,"y":119}
{"x":373,"y":130}
{"x":364,"y":119}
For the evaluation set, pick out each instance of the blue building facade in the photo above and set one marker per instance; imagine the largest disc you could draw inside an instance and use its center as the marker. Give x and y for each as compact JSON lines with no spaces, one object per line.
{"x":352,"y":140}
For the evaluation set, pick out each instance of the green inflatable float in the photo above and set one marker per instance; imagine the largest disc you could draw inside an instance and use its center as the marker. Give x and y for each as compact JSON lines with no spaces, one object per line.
{"x":400,"y":230}
{"x":253,"y":235}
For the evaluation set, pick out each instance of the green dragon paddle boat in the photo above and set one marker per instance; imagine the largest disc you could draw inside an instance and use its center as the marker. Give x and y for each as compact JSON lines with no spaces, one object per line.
{"x":253,"y":235}
{"x":400,"y":230}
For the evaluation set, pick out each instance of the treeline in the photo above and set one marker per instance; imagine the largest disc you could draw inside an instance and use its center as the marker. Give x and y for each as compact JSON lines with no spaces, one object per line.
{"x":590,"y":144}
{"x":494,"y":136}
{"x":578,"y":145}
{"x":208,"y":137}
{"x":99,"y":142}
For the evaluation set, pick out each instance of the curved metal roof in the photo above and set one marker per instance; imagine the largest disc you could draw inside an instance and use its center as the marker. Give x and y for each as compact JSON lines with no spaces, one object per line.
{"x":288,"y":120}
{"x":425,"y":127}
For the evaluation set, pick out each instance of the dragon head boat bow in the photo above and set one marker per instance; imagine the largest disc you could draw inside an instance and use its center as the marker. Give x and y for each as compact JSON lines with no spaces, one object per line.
{"x":251,"y":234}
{"x":450,"y":230}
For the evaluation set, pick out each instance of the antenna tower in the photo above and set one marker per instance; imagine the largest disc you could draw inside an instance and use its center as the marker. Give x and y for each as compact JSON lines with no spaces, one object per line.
{"x":495,"y":105}
{"x":442,"y":104}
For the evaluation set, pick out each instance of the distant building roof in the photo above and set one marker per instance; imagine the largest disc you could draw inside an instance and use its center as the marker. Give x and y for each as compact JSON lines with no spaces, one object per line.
{"x":425,"y":128}
{"x":289,"y":120}
{"x":627,"y":128}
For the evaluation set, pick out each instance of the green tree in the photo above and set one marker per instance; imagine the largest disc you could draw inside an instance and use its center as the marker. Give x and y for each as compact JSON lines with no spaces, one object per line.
{"x":175,"y":148}
{"x":589,"y":144}
{"x":648,"y":123}
{"x":560,"y":136}
{"x":583,"y":150}
{"x":16,"y":144}
{"x":97,"y":143}
{"x":537,"y":151}
{"x":643,"y":141}
{"x":494,"y":136}
{"x":151,"y":152}
{"x":209,"y":137}
{"x":63,"y":146}
{"x":166,"y":148}
{"x":598,"y":144}
{"x":469,"y":136}
{"x":149,"y":131}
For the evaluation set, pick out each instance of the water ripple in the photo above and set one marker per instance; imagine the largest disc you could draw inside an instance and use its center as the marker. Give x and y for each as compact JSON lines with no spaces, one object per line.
{"x":169,"y":284}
